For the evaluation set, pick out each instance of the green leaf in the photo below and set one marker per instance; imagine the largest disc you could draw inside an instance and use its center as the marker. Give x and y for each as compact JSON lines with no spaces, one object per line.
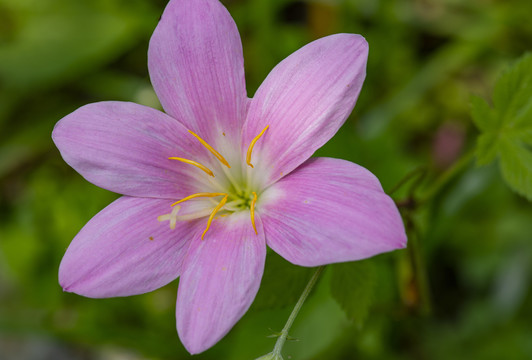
{"x":486,"y":150}
{"x":506,"y":129}
{"x":513,"y":90}
{"x":353,"y":286}
{"x":516,"y":167}
{"x":282,"y":283}
{"x":483,"y":115}
{"x":54,"y":41}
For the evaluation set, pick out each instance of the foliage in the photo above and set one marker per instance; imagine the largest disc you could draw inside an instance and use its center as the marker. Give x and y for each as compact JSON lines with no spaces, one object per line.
{"x":507,"y":128}
{"x":353,"y":287}
{"x":460,"y":291}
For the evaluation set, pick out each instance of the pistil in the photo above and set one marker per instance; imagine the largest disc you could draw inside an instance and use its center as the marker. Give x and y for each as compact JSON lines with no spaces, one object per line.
{"x":240,"y":200}
{"x":172,"y":217}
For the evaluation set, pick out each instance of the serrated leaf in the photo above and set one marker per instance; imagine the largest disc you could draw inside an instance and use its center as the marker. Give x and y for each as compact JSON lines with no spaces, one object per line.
{"x":516,"y":167}
{"x":482,"y":114}
{"x":506,"y":129}
{"x":487,"y":149}
{"x":513,"y":90}
{"x":353,"y":286}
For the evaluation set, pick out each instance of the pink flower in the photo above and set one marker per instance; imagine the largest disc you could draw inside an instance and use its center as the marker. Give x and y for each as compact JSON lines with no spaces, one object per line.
{"x":218,"y":177}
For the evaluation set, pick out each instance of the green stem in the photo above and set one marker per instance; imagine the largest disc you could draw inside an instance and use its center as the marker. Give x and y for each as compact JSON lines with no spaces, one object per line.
{"x":416,"y":172}
{"x":447,"y":176}
{"x":415,"y":291}
{"x":419,"y":296}
{"x":284,"y":333}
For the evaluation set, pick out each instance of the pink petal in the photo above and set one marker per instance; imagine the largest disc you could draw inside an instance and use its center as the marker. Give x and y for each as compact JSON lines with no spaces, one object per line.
{"x":221,"y":278}
{"x":327,"y":211}
{"x":197,"y":67}
{"x":124,"y":250}
{"x":124,"y":147}
{"x":305,"y":100}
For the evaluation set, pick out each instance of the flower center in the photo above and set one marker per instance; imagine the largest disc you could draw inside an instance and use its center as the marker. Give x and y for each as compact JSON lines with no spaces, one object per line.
{"x":237,"y":198}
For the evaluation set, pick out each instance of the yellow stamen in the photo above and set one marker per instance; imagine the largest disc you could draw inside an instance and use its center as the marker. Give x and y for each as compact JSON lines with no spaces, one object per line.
{"x":252,"y":211}
{"x":198,"y":195}
{"x":216,"y":209}
{"x":250,"y":148}
{"x":191,"y":162}
{"x":211,"y":149}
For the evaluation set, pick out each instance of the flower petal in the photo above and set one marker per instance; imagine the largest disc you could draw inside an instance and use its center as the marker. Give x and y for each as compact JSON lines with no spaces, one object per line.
{"x":124,"y":147}
{"x":221,"y":277}
{"x":305,"y":100}
{"x":124,"y":250}
{"x":197,"y":68}
{"x":327,"y":211}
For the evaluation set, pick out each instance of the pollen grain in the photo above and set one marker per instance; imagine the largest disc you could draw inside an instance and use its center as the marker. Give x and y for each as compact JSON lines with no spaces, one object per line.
{"x":250,"y":148}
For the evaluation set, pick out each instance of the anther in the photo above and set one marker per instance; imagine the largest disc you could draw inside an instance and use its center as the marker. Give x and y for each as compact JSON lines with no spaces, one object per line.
{"x":252,"y":211}
{"x":211,"y":149}
{"x":193,"y":196}
{"x":191,"y":162}
{"x":216,"y":209}
{"x":250,"y":148}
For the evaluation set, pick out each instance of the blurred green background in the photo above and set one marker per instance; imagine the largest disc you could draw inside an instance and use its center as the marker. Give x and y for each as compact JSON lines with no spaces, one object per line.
{"x":461,"y":290}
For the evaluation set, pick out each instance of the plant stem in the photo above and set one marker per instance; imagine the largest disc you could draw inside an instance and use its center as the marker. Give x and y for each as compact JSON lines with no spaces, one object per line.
{"x":415,"y":291}
{"x":284,"y":333}
{"x":416,"y":172}
{"x":415,"y":287}
{"x":447,"y":176}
